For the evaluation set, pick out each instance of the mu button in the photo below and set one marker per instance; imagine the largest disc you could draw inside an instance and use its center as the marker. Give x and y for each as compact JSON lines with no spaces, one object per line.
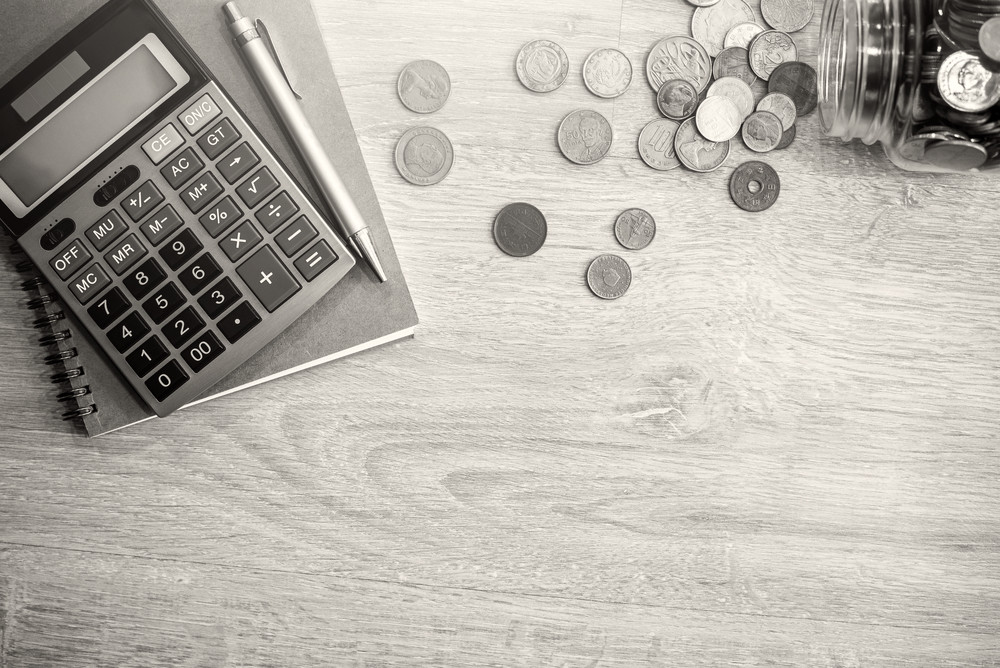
{"x":268,"y":279}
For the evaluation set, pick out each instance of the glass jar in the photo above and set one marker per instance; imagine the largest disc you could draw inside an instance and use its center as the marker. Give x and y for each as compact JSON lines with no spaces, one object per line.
{"x":922,"y":77}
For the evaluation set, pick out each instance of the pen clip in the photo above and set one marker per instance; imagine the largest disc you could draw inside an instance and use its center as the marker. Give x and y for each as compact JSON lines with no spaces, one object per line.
{"x":262,"y":30}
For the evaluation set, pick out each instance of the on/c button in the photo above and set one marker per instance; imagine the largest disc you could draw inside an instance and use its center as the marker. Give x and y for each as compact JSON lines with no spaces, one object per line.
{"x":164,"y":142}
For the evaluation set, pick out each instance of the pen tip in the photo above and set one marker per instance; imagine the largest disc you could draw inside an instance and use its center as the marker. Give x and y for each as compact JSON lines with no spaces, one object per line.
{"x":232,"y":12}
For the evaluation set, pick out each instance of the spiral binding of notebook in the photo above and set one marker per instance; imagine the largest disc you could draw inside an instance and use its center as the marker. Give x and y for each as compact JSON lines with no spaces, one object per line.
{"x":59,"y":337}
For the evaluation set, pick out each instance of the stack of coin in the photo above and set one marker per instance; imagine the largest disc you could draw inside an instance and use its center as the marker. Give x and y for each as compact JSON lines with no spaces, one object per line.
{"x":423,"y":155}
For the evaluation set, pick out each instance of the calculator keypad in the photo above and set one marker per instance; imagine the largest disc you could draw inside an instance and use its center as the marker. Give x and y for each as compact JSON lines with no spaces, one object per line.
{"x":237,"y":163}
{"x":144,"y":358}
{"x":166,"y":300}
{"x":109,"y":308}
{"x":182,"y":169}
{"x":106,"y":230}
{"x":141,"y":281}
{"x":162,"y":225}
{"x":218,"y":139}
{"x":128,"y":332}
{"x":181,"y":248}
{"x":268,"y":279}
{"x":255,"y":189}
{"x":240,"y":241}
{"x":125,"y":254}
{"x":142,"y":200}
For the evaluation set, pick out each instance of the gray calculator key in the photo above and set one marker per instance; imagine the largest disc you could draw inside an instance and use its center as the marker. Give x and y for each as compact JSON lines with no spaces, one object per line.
{"x":295,"y":237}
{"x":164,"y":142}
{"x":274,"y":214}
{"x":237,"y":163}
{"x":315,"y":260}
{"x":199,"y":114}
{"x":220,"y":217}
{"x":200,"y":194}
{"x":218,"y":139}
{"x":106,"y":230}
{"x":125,"y":254}
{"x":70,"y":260}
{"x":182,"y":169}
{"x":238,"y":243}
{"x":268,"y":278}
{"x":142,"y":201}
{"x":257,"y":187}
{"x":162,"y":225}
{"x":89,"y":284}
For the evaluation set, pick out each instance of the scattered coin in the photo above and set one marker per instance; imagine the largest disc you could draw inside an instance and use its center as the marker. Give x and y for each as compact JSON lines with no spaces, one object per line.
{"x":718,"y":119}
{"x":762,"y":131}
{"x":677,"y":99}
{"x":679,"y":57}
{"x":787,"y":15}
{"x":607,"y":72}
{"x":797,"y":80}
{"x":754,"y":186}
{"x":734,"y":62}
{"x":787,"y":137}
{"x":710,"y":25}
{"x":423,"y":86}
{"x":656,"y":144}
{"x":741,"y":35}
{"x":424,"y":156}
{"x":609,"y":276}
{"x":702,"y":3}
{"x":989,"y":38}
{"x":542,"y":66}
{"x":519,"y":229}
{"x":768,"y":50}
{"x":737,"y":91}
{"x":955,"y":154}
{"x":635,"y":229}
{"x":781,"y":106}
{"x":697,"y":153}
{"x":966,"y":85}
{"x":584,"y":137}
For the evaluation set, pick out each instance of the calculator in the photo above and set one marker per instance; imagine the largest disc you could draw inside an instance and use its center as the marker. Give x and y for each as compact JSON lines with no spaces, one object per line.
{"x":158,"y":214}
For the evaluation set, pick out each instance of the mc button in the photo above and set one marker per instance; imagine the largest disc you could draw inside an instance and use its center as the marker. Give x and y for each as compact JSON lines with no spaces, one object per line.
{"x":87,"y":285}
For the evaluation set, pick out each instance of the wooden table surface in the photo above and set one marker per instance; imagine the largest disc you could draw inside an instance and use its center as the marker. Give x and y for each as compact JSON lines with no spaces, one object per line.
{"x":779,"y":448}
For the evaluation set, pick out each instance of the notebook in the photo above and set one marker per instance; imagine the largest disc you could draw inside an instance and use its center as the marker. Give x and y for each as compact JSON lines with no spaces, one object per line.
{"x":358,"y":314}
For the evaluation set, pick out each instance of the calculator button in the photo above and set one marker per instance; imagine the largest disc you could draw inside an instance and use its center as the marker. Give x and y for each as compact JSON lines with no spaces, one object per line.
{"x":274,"y":214}
{"x":163,"y":303}
{"x":218,"y":139}
{"x":87,"y":285}
{"x":202,"y":271}
{"x":142,"y":200}
{"x":70,"y":260}
{"x":166,"y":141}
{"x":165,"y":382}
{"x":201,"y":352}
{"x":199,"y":194}
{"x":315,"y":260}
{"x":240,"y":320}
{"x":145,"y":357}
{"x":128,"y":332}
{"x":144,"y":278}
{"x":220,"y":217}
{"x":257,"y":187}
{"x":296,"y":236}
{"x":239,"y":242}
{"x":182,"y":169}
{"x":183,"y":326}
{"x":181,"y":248}
{"x":106,"y":230}
{"x":268,"y":278}
{"x":109,"y":308}
{"x":199,"y":114}
{"x":221,"y":296}
{"x":125,"y":254}
{"x":237,"y":163}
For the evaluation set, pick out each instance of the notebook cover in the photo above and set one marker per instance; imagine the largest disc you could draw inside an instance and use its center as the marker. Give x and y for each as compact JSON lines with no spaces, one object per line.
{"x":358,"y":310}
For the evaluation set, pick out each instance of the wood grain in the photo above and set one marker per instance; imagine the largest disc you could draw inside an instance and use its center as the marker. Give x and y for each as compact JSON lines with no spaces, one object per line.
{"x":779,"y":448}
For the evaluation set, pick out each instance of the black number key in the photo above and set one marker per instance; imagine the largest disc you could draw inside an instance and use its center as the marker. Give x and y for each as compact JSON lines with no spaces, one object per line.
{"x":182,"y":248}
{"x":166,"y":381}
{"x":109,"y":308}
{"x":220,"y":297}
{"x":143,"y":279}
{"x":183,"y":326}
{"x":239,"y":321}
{"x":145,"y":357}
{"x":202,"y":351}
{"x":128,"y":332}
{"x":201,"y":272}
{"x":163,"y":303}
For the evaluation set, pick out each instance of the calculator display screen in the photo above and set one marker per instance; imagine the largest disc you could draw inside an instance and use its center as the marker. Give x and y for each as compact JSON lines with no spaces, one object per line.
{"x":117,"y":99}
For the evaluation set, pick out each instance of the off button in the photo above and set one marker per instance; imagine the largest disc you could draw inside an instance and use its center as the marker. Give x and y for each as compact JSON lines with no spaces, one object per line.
{"x":163,"y":143}
{"x":199,"y":114}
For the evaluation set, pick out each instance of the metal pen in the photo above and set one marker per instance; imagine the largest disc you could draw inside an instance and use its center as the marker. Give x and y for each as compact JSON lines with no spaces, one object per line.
{"x":272,"y":82}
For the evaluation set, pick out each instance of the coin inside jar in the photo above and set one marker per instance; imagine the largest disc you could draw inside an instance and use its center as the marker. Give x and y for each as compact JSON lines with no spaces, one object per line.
{"x":609,"y":276}
{"x":519,"y":229}
{"x":718,"y":119}
{"x":677,"y":99}
{"x":635,"y":229}
{"x":955,"y":154}
{"x":754,"y":186}
{"x":542,"y":66}
{"x":966,"y":85}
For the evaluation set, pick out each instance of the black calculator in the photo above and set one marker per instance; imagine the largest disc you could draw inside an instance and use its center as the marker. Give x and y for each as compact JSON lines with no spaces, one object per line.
{"x":149,"y":202}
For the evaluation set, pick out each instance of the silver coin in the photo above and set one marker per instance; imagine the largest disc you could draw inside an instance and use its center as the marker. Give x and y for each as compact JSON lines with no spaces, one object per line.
{"x":787,"y":137}
{"x":734,"y":62}
{"x":656,"y":144}
{"x":989,"y":38}
{"x":741,"y":35}
{"x":710,"y":25}
{"x":519,"y":229}
{"x":609,"y":276}
{"x":423,"y":86}
{"x":677,"y":99}
{"x":762,"y":131}
{"x":768,"y":50}
{"x":966,"y":85}
{"x":584,"y":137}
{"x":787,"y":15}
{"x":718,"y":119}
{"x":737,"y":91}
{"x":679,"y":57}
{"x":797,"y":80}
{"x":702,"y":3}
{"x":913,"y":148}
{"x":542,"y":66}
{"x":635,"y":229}
{"x":781,"y":106}
{"x":424,"y":156}
{"x":697,"y":153}
{"x":607,"y":73}
{"x":955,"y":154}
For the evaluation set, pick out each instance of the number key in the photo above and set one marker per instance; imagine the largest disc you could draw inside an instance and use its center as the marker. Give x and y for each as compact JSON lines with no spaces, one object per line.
{"x":145,"y":357}
{"x":198,"y":275}
{"x":166,"y":381}
{"x":201,"y":352}
{"x":183,"y":326}
{"x":107,"y":310}
{"x":163,"y":303}
{"x":220,"y":297}
{"x":183,"y":247}
{"x":128,"y":332}
{"x":142,"y":280}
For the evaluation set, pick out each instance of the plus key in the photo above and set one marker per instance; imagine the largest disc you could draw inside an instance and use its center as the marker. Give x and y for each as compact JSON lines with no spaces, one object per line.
{"x":268,"y":279}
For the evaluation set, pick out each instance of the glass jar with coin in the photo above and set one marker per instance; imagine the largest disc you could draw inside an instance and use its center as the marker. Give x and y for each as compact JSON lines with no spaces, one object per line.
{"x":921,"y":77}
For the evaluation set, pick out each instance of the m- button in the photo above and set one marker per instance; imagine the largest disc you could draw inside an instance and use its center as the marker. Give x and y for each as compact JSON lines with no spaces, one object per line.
{"x":164,"y":142}
{"x":70,"y":259}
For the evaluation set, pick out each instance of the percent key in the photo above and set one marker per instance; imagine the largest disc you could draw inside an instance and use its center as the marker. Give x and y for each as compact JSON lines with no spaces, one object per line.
{"x":218,"y":219}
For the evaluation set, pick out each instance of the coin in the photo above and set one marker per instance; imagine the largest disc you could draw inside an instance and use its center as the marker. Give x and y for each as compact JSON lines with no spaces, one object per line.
{"x":677,"y":99}
{"x":609,"y":276}
{"x":635,"y":229}
{"x":656,"y":144}
{"x":735,"y":90}
{"x":787,"y":137}
{"x":754,"y":186}
{"x":787,"y":15}
{"x":584,"y":137}
{"x":424,"y":156}
{"x":697,"y":153}
{"x":679,"y":57}
{"x":710,"y":25}
{"x":607,"y":72}
{"x":741,"y":35}
{"x":768,"y":50}
{"x":718,"y":119}
{"x":702,"y":3}
{"x":542,"y":66}
{"x":762,"y":131}
{"x":781,"y":106}
{"x":423,"y":86}
{"x":519,"y":229}
{"x":955,"y":154}
{"x":734,"y":62}
{"x":797,"y":80}
{"x":966,"y":85}
{"x":989,"y":38}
